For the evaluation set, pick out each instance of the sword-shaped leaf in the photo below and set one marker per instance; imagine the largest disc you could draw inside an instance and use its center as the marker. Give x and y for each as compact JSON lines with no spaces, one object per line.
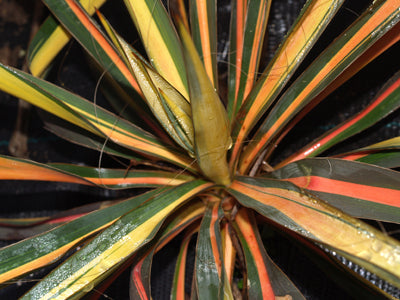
{"x":307,"y":215}
{"x":387,"y":101}
{"x":12,"y":168}
{"x":123,"y":179}
{"x":160,"y":41}
{"x":361,"y":190}
{"x":247,"y":51}
{"x":115,"y":245}
{"x":368,"y":28}
{"x":178,"y":283}
{"x":87,"y":115}
{"x":21,"y":169}
{"x":79,"y":23}
{"x":384,"y":154}
{"x":51,"y":39}
{"x":390,"y":144}
{"x":264,"y":278}
{"x":41,"y":250}
{"x":211,"y":127}
{"x":311,"y":22}
{"x":210,"y":275}
{"x":22,"y":228}
{"x":389,"y":39}
{"x":171,"y":109}
{"x":229,"y":252}
{"x":203,"y":21}
{"x":88,"y":34}
{"x":238,"y":21}
{"x":384,"y":159}
{"x":140,"y":275}
{"x":79,"y":136}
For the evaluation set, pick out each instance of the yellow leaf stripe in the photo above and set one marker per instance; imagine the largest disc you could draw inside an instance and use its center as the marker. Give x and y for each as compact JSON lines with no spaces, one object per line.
{"x":389,"y":39}
{"x":241,"y":11}
{"x":153,"y":40}
{"x":287,"y":59}
{"x":157,"y":181}
{"x":250,"y":73}
{"x":117,"y":253}
{"x":56,"y":41}
{"x":13,"y":169}
{"x":17,"y":87}
{"x":46,"y":259}
{"x":126,"y":138}
{"x":207,"y":55}
{"x":329,"y":225}
{"x":380,"y":18}
{"x":97,"y":35}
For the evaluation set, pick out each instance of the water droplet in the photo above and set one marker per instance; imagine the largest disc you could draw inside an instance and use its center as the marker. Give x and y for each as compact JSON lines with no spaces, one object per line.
{"x":365,"y":254}
{"x":82,"y":257}
{"x":376,"y":245}
{"x":87,"y":288}
{"x":391,"y":260}
{"x":103,"y":245}
{"x":105,"y":265}
{"x":385,"y":253}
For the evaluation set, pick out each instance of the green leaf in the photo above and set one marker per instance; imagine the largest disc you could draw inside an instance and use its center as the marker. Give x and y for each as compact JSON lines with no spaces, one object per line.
{"x":88,"y":34}
{"x":21,"y":169}
{"x":87,"y":115}
{"x":167,"y":104}
{"x":264,"y":278}
{"x":22,"y":228}
{"x":160,"y":41}
{"x":246,"y":52}
{"x":114,"y":245}
{"x":298,"y":211}
{"x":361,"y":190}
{"x":203,"y":22}
{"x":79,"y":136}
{"x":384,"y":159}
{"x":312,"y":21}
{"x":41,"y":250}
{"x":178,"y":283}
{"x":384,"y":154}
{"x":211,"y":127}
{"x":184,"y":217}
{"x":384,"y":103}
{"x":51,"y":38}
{"x":211,"y":281}
{"x":373,"y":24}
{"x":12,"y":168}
{"x":124,"y":179}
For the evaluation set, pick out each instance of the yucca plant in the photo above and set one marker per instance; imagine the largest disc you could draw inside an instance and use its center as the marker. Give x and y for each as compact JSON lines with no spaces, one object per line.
{"x":203,"y":146}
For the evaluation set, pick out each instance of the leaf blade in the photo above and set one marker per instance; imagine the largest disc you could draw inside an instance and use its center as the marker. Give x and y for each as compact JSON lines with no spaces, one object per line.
{"x":373,"y":24}
{"x":248,"y":52}
{"x":160,"y":41}
{"x":204,"y":33}
{"x":114,"y":245}
{"x":373,"y":195}
{"x":384,"y":103}
{"x":41,"y":250}
{"x":282,"y":67}
{"x":51,"y":38}
{"x":287,"y":205}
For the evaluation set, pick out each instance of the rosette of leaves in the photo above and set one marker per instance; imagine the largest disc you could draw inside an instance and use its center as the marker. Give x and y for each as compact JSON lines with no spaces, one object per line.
{"x":203,"y":148}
